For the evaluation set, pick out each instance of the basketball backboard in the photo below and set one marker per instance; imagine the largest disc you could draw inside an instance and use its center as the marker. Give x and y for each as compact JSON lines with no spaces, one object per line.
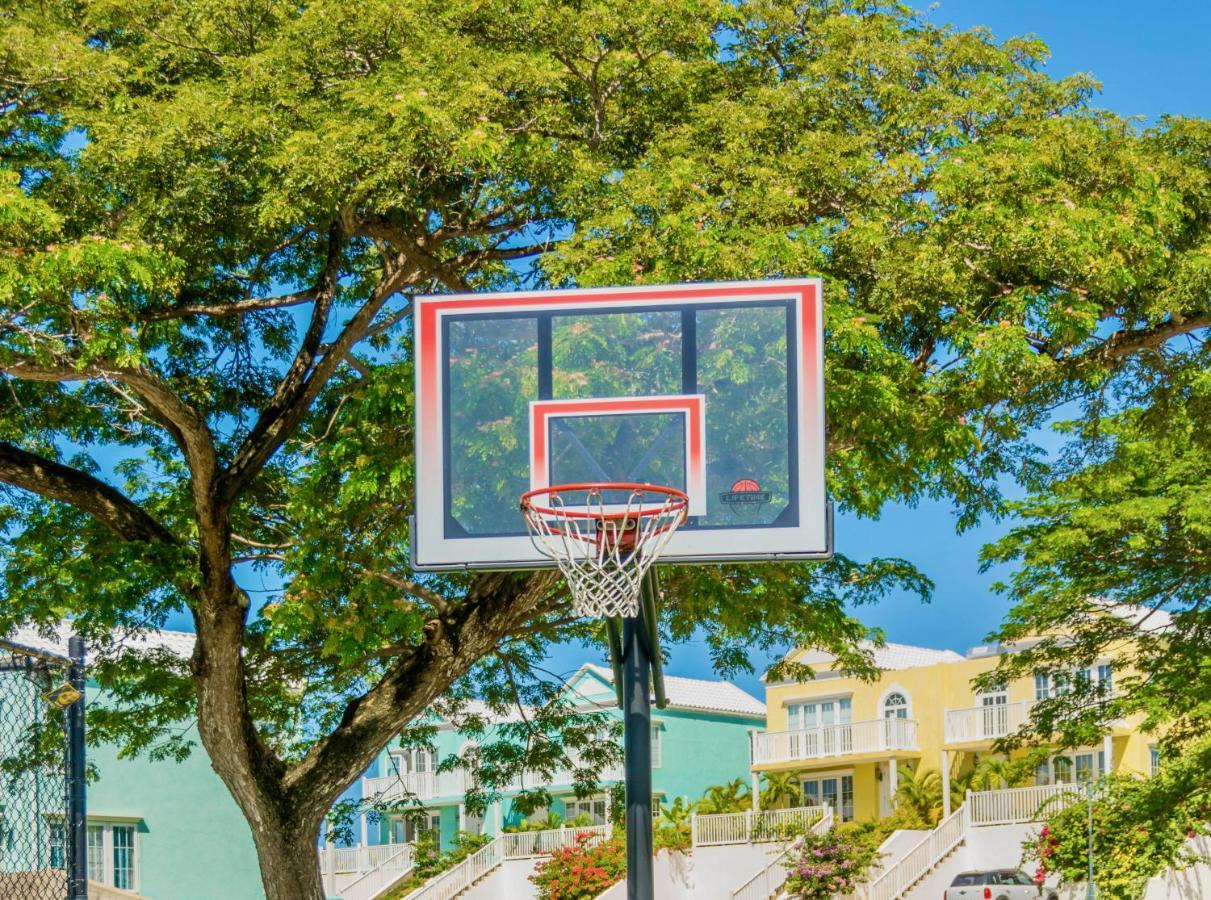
{"x":714,"y":389}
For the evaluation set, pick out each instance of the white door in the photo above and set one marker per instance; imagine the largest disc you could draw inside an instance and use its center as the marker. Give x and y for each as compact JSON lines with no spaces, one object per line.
{"x":994,"y":720}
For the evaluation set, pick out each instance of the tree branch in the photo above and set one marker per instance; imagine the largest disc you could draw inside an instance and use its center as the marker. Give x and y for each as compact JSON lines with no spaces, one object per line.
{"x":1125,"y":343}
{"x":223,"y":310}
{"x":106,"y":504}
{"x":495,"y":604}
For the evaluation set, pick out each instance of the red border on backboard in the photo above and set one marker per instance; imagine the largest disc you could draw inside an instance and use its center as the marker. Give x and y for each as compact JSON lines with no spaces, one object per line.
{"x":692,"y":406}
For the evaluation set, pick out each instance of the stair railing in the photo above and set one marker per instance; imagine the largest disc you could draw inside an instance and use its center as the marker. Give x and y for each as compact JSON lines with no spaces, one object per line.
{"x":932,"y":848}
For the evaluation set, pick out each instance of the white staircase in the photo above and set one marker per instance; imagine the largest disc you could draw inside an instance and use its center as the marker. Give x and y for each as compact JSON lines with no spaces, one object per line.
{"x":919,"y":861}
{"x":767,"y":882}
{"x":484,"y":864}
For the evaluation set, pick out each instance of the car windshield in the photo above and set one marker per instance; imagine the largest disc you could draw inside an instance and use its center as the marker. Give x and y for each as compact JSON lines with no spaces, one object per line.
{"x":967,"y":879}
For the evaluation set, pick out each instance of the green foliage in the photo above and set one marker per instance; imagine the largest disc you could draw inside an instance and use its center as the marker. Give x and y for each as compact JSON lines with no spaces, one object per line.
{"x":919,"y":795}
{"x":582,"y":872}
{"x":1113,"y":559}
{"x":780,"y":789}
{"x":992,"y":773}
{"x":725,"y":798}
{"x":674,"y":829}
{"x":212,"y":220}
{"x":1137,"y":832}
{"x":824,"y":866}
{"x":429,"y":860}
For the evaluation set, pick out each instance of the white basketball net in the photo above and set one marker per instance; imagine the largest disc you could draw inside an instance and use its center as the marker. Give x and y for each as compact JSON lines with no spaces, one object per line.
{"x":604,"y":550}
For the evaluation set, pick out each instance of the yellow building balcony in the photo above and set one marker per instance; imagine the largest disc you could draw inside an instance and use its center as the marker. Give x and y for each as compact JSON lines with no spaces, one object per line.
{"x":978,"y":725}
{"x":850,"y":742}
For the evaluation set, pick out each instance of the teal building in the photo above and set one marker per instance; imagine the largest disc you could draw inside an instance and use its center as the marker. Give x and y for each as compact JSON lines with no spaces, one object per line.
{"x":160,"y":830}
{"x":700,"y":739}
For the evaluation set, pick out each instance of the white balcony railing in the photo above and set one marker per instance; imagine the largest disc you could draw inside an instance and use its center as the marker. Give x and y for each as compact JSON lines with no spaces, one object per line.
{"x":431,"y":785}
{"x":754,"y":826}
{"x":825,"y":741}
{"x":423,"y":785}
{"x":1028,"y":804}
{"x":986,"y":723}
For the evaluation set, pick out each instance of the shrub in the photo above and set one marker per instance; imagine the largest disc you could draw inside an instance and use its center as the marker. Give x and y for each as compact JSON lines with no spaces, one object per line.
{"x":582,"y":872}
{"x":824,"y":866}
{"x":1134,"y":838}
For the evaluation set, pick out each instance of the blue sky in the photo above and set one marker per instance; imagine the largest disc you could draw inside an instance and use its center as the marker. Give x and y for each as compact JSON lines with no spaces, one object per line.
{"x":1151,"y":59}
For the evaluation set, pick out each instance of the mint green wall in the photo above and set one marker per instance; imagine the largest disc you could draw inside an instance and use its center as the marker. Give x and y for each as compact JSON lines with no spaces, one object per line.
{"x":698,"y":749}
{"x":193,"y":842}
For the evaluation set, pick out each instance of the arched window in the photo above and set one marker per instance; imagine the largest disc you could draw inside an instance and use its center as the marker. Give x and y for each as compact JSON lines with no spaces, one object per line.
{"x":895,"y":706}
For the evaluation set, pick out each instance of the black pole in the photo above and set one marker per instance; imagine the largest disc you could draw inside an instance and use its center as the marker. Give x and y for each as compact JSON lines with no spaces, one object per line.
{"x":637,"y":743}
{"x":77,"y":875}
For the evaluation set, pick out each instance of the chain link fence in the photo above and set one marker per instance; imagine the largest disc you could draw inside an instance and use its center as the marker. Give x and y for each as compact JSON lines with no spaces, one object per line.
{"x":35,"y":838}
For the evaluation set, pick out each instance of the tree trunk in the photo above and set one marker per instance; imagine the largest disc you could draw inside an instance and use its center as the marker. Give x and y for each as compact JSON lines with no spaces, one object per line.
{"x":288,"y":856}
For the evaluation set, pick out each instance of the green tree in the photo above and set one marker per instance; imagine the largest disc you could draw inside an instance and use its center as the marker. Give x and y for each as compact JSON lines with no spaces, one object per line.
{"x":994,"y":773}
{"x":1113,"y":559}
{"x":214,"y":215}
{"x":780,"y":789}
{"x":725,"y":798}
{"x":919,"y":795}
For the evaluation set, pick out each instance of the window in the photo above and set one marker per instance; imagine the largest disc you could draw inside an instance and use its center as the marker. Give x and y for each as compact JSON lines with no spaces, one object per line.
{"x":1100,"y":677}
{"x":58,"y":846}
{"x":835,"y":790}
{"x":592,"y":807}
{"x":96,"y":853}
{"x":416,"y":759}
{"x":124,"y":857}
{"x":895,"y":706}
{"x":406,"y":830}
{"x":655,"y":746}
{"x":1079,"y":766}
{"x":820,"y":712}
{"x":1154,"y":754}
{"x":113,"y":855}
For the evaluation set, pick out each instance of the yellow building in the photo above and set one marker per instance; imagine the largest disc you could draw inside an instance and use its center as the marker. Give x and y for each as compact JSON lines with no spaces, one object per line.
{"x":845,"y":738}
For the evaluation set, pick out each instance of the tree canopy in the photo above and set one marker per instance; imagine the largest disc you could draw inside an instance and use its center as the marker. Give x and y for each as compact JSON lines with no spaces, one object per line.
{"x":213,"y":214}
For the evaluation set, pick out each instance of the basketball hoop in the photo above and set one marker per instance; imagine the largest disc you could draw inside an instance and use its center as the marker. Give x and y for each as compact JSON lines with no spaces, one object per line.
{"x":604,"y":536}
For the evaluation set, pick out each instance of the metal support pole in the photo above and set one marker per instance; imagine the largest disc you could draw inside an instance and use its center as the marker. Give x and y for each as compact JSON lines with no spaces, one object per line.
{"x":637,"y":744}
{"x":77,"y":831}
{"x":1091,"y":888}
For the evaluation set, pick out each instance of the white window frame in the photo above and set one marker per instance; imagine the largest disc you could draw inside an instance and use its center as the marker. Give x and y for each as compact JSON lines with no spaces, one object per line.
{"x":1154,"y":759}
{"x":657,"y":739}
{"x":893,"y":689}
{"x":795,"y":707}
{"x":1048,"y":768}
{"x":107,"y":869}
{"x":576,"y":806}
{"x":404,"y":761}
{"x":837,"y":774}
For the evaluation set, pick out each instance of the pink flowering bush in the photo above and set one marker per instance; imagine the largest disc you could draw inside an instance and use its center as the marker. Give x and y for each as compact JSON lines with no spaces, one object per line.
{"x":832,"y":864}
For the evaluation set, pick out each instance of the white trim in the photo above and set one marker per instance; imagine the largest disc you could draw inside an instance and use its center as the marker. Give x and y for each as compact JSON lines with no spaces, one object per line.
{"x":821,"y":698}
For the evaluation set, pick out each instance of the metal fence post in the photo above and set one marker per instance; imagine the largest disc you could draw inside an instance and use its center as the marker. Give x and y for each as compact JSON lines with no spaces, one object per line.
{"x":77,"y":813}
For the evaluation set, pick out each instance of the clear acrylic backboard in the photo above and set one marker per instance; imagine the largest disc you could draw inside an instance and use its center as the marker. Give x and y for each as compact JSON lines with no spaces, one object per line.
{"x":713,"y":389}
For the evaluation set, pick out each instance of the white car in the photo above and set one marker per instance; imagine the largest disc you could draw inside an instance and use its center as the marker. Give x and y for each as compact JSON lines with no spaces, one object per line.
{"x":996,"y":884}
